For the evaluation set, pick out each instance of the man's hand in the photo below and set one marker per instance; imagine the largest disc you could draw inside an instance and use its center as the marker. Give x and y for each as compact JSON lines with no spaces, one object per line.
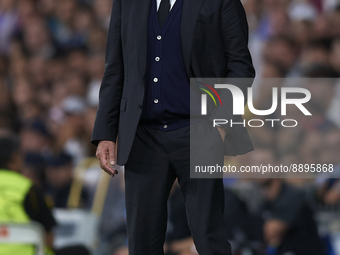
{"x":106,"y":152}
{"x":222,"y":132}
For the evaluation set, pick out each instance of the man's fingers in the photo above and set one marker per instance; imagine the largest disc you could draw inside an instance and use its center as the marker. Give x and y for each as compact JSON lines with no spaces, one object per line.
{"x":106,"y":155}
{"x":112,"y":158}
{"x":104,"y":165}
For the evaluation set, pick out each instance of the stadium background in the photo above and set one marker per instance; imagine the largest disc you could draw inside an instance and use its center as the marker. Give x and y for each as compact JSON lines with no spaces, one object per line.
{"x":52,"y":55}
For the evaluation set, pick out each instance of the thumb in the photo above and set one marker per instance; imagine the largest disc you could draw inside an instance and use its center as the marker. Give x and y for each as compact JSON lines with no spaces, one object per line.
{"x":112,"y":158}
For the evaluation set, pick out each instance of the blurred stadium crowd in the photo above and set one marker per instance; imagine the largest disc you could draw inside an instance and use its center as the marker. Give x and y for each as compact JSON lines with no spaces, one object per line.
{"x":52,"y":56}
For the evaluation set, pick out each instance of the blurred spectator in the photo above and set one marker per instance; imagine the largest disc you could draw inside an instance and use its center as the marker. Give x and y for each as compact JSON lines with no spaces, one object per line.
{"x":77,"y":59}
{"x":103,"y":12}
{"x":59,"y":177}
{"x":324,"y":106}
{"x":315,"y":52}
{"x":29,"y":203}
{"x":71,"y":137}
{"x":329,"y":191}
{"x":21,"y":201}
{"x":36,"y":38}
{"x":8,"y":23}
{"x":282,"y":51}
{"x":243,"y":227}
{"x":330,"y":148}
{"x":35,"y":137}
{"x":329,"y":185}
{"x":288,"y":225}
{"x":302,"y":15}
{"x":335,"y":54}
{"x":34,"y":168}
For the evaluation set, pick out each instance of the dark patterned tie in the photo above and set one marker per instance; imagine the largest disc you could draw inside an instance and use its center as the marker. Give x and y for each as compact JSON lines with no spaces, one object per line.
{"x":163,"y":11}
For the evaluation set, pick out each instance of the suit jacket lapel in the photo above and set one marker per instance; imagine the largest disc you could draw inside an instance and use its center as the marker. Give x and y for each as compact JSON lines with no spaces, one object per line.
{"x":141,"y":16}
{"x":189,"y":18}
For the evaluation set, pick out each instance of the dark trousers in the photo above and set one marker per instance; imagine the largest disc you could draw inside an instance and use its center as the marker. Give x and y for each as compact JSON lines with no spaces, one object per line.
{"x":156,"y":160}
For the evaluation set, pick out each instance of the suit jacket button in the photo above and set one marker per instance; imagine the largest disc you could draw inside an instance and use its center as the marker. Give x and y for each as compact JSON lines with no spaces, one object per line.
{"x":140,"y":107}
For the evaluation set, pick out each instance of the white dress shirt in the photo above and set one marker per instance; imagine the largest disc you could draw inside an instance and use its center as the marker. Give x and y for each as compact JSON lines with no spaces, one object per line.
{"x":172,"y":2}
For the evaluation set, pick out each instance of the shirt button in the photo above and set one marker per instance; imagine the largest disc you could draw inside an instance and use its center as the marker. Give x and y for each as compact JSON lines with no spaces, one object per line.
{"x":157,"y":59}
{"x":140,"y":107}
{"x":165,"y":126}
{"x":155,"y":80}
{"x":155,"y":101}
{"x":159,"y":37}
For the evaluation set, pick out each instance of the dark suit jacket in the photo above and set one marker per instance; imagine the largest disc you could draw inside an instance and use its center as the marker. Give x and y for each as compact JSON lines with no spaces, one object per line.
{"x":214,"y":44}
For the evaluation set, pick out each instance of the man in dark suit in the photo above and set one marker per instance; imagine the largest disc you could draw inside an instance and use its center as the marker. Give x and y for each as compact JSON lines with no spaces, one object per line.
{"x":154,"y":47}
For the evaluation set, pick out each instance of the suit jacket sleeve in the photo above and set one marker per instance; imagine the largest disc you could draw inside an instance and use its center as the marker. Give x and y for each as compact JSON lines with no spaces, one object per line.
{"x":106,"y":123}
{"x":239,"y":64}
{"x":235,"y":37}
